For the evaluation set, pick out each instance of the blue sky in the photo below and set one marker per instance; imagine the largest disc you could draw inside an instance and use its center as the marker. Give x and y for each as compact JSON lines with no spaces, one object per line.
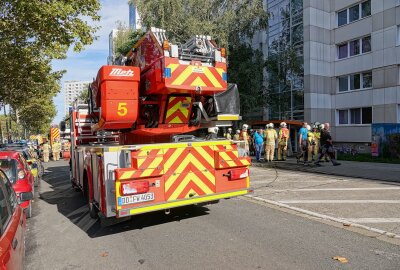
{"x":83,"y":66}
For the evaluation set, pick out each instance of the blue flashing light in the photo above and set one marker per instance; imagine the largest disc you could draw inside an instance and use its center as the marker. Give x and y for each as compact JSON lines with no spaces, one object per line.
{"x":167,"y":73}
{"x":224,"y":76}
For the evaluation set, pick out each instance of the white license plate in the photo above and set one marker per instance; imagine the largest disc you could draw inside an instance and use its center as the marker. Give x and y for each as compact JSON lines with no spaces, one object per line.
{"x":145,"y":197}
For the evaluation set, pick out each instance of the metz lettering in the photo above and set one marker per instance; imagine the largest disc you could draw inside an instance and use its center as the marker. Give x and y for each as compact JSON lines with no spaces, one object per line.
{"x":122,"y":73}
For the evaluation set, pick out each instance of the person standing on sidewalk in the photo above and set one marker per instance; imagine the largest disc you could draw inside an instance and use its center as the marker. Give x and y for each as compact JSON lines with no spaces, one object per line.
{"x":244,"y":136}
{"x":46,"y":151}
{"x":270,"y":142}
{"x":313,"y":139}
{"x":258,"y":140}
{"x":303,"y":143}
{"x":283,"y":138}
{"x":326,"y":146}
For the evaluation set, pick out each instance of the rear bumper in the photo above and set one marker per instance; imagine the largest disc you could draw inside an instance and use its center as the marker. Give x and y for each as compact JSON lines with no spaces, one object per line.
{"x":173,"y":204}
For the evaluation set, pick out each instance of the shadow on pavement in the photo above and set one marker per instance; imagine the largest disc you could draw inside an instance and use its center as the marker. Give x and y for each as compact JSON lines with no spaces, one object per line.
{"x":71,"y":204}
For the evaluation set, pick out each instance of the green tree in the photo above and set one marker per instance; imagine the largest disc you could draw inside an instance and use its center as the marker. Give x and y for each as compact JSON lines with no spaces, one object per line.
{"x":33,"y":32}
{"x":125,"y":39}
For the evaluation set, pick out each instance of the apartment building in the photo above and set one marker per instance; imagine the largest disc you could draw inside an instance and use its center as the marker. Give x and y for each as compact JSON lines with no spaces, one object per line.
{"x":351,"y":59}
{"x":72,"y":89}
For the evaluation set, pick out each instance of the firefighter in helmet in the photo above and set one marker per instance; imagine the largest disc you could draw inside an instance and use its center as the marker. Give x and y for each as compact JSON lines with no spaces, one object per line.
{"x":244,"y":136}
{"x":212,"y":133}
{"x":56,"y":149}
{"x":236,"y":137}
{"x":228,"y":134}
{"x":46,"y":151}
{"x":314,"y":137}
{"x":283,"y":138}
{"x":270,"y":141}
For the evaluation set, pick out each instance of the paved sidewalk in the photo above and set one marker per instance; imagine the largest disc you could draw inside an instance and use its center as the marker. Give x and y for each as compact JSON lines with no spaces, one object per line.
{"x":366,"y":170}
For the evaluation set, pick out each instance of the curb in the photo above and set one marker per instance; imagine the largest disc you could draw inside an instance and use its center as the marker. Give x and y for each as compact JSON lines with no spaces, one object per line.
{"x":295,"y":167}
{"x":325,"y":217}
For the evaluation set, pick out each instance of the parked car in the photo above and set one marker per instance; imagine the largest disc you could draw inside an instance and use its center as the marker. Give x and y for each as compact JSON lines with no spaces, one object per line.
{"x":34,"y":163}
{"x":13,"y":225}
{"x":16,"y":168}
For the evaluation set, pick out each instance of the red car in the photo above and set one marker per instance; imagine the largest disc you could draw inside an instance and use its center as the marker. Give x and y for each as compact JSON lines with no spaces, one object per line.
{"x":13,"y":225}
{"x":17,"y":170}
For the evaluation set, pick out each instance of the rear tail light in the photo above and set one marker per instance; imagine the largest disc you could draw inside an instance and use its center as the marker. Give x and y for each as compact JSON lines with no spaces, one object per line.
{"x":238,"y":174}
{"x":134,"y":187}
{"x":21,"y":174}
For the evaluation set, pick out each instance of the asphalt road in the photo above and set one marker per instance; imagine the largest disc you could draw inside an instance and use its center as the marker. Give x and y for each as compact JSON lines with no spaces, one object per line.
{"x":234,"y":234}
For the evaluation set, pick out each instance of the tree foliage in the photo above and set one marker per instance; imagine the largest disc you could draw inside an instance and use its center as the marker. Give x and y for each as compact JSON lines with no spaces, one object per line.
{"x":228,"y":22}
{"x":125,"y":39}
{"x":33,"y":32}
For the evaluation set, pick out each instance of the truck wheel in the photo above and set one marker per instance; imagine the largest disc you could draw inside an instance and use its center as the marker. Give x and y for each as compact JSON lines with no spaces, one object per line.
{"x":93,"y":212}
{"x":28,"y":211}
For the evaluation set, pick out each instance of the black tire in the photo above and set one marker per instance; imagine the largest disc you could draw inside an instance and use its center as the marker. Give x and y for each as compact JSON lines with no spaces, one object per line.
{"x":28,"y":211}
{"x":93,"y":211}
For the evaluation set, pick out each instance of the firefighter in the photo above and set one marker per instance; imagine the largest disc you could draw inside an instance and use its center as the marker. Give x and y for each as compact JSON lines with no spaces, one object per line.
{"x":236,"y":137}
{"x":228,"y":134}
{"x":244,"y":136}
{"x":283,"y":138}
{"x":56,"y":150}
{"x":46,"y":151}
{"x":212,"y":133}
{"x":270,"y":142}
{"x":314,"y":137}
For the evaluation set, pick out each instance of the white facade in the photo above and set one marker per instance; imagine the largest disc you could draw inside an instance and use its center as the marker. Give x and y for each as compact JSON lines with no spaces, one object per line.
{"x":111,"y":47}
{"x":351,"y":64}
{"x":72,"y":89}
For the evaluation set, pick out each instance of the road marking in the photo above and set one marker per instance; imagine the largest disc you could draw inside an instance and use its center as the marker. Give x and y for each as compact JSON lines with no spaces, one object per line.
{"x":338,"y":189}
{"x":340,"y":201}
{"x":374,"y":220}
{"x":325,"y":217}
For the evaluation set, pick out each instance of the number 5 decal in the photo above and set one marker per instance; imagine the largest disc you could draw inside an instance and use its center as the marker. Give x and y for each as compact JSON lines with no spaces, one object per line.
{"x":122,"y":109}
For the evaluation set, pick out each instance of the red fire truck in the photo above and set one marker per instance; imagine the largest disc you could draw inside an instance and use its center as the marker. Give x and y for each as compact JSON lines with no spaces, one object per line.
{"x":138,"y":145}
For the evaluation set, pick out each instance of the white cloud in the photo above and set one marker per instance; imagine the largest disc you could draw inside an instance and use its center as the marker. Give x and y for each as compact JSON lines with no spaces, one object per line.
{"x":84,"y":66}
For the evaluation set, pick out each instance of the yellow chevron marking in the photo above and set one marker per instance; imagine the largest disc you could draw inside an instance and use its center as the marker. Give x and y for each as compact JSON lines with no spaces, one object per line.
{"x":205,"y":155}
{"x":220,"y":71}
{"x":126,"y":175}
{"x":212,"y":78}
{"x":191,"y":177}
{"x":189,"y":159}
{"x":173,"y":67}
{"x":227,"y":159}
{"x":174,"y":108}
{"x":183,"y":76}
{"x":143,"y":153}
{"x":198,"y":82}
{"x":156,"y":162}
{"x":173,"y":158}
{"x":176,"y":120}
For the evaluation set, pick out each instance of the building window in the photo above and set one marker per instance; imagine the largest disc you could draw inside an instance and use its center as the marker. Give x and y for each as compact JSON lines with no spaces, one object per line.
{"x":367,"y":80}
{"x":342,"y":17}
{"x":343,"y":83}
{"x":366,"y":9}
{"x":366,"y":44}
{"x":355,"y":116}
{"x":352,"y":48}
{"x":355,"y":81}
{"x":343,"y":117}
{"x":354,"y":13}
{"x":342,"y":51}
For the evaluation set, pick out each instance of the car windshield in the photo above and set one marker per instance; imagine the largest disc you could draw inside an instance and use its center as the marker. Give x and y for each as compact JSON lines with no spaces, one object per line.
{"x":9,"y":167}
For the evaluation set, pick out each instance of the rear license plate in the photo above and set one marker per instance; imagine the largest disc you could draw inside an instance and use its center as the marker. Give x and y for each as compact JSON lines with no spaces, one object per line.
{"x":145,"y":197}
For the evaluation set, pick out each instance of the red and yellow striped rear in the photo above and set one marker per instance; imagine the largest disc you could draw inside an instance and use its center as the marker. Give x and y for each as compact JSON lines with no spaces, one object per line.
{"x":181,"y":174}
